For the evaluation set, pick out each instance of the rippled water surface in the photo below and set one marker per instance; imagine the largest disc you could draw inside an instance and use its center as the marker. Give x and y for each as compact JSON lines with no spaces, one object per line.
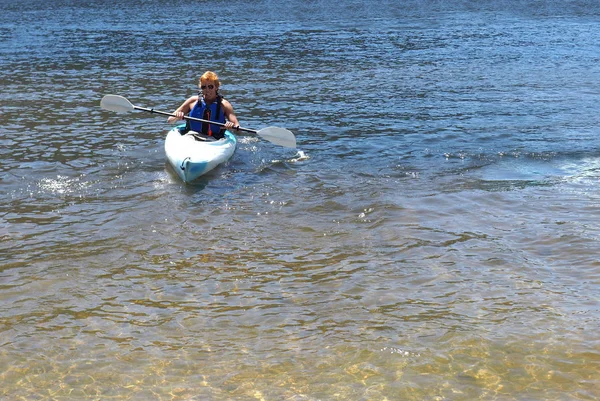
{"x":433,"y":237}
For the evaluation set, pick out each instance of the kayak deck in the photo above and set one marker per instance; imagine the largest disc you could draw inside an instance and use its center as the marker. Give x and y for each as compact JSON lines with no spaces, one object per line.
{"x":191,"y":157}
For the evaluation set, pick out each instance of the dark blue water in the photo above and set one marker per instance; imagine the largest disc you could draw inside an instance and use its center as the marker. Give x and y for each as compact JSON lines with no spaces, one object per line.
{"x":434,"y":236}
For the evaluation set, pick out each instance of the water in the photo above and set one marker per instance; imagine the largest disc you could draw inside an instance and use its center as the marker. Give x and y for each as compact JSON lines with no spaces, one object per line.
{"x":433,"y":237}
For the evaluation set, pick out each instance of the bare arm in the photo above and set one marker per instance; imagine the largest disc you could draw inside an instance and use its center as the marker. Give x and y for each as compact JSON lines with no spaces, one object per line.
{"x":183,"y":110}
{"x":232,"y":121}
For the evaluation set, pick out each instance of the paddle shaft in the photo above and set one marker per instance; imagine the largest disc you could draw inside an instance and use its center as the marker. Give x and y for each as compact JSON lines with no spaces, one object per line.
{"x":191,"y":118}
{"x":278,"y":136}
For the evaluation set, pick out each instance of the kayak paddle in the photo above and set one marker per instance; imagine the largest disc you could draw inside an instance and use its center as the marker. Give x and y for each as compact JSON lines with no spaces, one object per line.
{"x":278,"y":136}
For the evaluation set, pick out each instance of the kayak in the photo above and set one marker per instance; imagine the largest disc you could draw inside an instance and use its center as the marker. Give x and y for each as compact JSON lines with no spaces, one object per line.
{"x":192,"y":157}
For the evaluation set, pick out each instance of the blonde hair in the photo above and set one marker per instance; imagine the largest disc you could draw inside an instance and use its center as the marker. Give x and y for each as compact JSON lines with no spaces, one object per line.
{"x":210,"y":76}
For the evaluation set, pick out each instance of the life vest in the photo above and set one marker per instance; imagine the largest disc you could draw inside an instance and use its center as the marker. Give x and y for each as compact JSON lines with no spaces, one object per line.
{"x":213,"y":112}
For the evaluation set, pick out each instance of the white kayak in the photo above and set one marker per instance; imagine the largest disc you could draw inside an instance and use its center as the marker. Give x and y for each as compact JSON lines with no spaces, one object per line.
{"x":191,"y":157}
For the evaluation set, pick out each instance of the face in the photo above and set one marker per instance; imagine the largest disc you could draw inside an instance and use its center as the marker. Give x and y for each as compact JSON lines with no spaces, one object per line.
{"x":208,"y":89}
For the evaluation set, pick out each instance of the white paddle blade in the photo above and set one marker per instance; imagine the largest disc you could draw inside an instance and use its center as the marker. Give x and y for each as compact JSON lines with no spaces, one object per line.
{"x":278,"y":136}
{"x":116,"y":103}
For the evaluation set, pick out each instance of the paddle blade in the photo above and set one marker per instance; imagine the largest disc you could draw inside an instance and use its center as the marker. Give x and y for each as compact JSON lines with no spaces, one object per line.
{"x":278,"y":136}
{"x":116,"y":103}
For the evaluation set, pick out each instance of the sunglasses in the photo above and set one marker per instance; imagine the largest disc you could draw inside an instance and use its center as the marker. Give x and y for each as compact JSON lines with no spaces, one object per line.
{"x":207,"y":86}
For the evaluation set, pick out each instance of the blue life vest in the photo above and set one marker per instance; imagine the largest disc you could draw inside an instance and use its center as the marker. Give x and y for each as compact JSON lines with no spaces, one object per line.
{"x":213,"y":112}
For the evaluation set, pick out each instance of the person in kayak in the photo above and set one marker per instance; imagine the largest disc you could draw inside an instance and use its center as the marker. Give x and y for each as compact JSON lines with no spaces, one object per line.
{"x":208,"y":105}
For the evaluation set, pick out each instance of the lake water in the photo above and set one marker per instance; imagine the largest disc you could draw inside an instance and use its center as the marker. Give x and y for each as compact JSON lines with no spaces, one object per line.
{"x":433,"y":237}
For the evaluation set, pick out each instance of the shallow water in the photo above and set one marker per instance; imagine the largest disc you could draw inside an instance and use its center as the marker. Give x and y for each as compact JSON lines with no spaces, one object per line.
{"x":434,"y":236}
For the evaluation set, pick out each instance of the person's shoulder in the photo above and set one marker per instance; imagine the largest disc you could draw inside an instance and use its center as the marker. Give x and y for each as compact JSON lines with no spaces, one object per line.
{"x":190,"y":101}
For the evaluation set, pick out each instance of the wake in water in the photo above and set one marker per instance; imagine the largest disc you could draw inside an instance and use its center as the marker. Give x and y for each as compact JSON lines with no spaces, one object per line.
{"x":536,"y":170}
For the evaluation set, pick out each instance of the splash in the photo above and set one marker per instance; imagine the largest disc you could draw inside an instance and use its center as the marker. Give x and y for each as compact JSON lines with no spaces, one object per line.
{"x":62,"y":185}
{"x":300,"y":156}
